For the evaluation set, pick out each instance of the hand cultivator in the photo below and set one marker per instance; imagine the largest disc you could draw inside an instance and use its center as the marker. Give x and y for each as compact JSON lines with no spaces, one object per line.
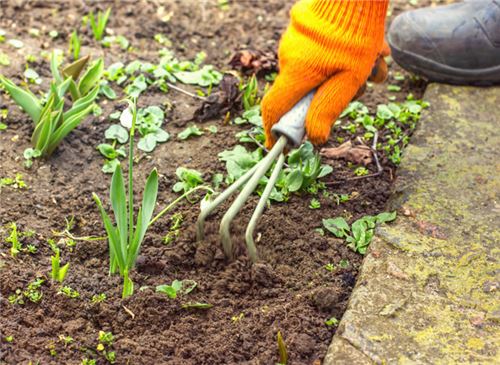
{"x":288,"y":131}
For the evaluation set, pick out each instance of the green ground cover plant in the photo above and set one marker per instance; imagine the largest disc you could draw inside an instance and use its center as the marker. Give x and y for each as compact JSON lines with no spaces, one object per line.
{"x":360,"y":233}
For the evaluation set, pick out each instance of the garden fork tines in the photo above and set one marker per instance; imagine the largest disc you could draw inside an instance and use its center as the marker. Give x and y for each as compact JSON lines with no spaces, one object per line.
{"x":289,"y":131}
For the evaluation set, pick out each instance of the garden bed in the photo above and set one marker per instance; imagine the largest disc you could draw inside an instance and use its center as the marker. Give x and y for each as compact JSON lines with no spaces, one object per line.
{"x":305,"y":275}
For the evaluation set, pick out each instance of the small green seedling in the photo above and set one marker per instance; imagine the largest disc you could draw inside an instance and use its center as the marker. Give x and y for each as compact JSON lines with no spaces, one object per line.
{"x":33,"y":293}
{"x":74,"y":45}
{"x":361,"y":171}
{"x":332,"y":321}
{"x":190,"y":131}
{"x":98,"y":298}
{"x":178,"y":287}
{"x":188,"y":179}
{"x":344,"y":263}
{"x":125,"y":239}
{"x":14,"y":240}
{"x":98,"y":23}
{"x":174,"y":230}
{"x":58,"y":273}
{"x":66,"y":340}
{"x":360,"y":233}
{"x":106,"y":340}
{"x":314,"y":204}
{"x":250,"y":94}
{"x":238,"y":317}
{"x":69,"y":292}
{"x":329,"y":267}
{"x":15,"y":183}
{"x":9,"y":339}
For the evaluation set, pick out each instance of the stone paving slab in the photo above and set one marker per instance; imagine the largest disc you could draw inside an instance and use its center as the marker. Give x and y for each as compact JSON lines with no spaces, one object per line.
{"x":428,"y":291}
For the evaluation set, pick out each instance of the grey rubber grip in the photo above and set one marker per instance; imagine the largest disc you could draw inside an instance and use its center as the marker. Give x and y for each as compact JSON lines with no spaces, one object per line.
{"x":291,"y":125}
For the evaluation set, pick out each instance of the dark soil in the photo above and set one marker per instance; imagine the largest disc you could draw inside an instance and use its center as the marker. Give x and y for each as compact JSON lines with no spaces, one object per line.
{"x":289,"y":291}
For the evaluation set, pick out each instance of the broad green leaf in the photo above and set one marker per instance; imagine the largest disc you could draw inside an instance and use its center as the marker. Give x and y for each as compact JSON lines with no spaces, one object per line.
{"x":338,"y":226}
{"x":118,"y":200}
{"x":73,"y":89}
{"x":65,"y":128}
{"x":110,"y":166}
{"x":206,"y":76}
{"x":107,"y":151}
{"x":325,"y":170}
{"x":45,"y":113}
{"x":61,"y":89}
{"x":294,"y":180}
{"x":116,"y":254}
{"x":187,"y":286}
{"x":161,"y":135}
{"x":147,"y":143}
{"x":386,"y":217}
{"x":81,"y":104}
{"x":147,"y":209}
{"x":190,"y":131}
{"x":116,"y":132}
{"x":107,"y":91}
{"x":91,"y":77}
{"x":168,"y":290}
{"x":24,"y":98}
{"x":383,"y":112}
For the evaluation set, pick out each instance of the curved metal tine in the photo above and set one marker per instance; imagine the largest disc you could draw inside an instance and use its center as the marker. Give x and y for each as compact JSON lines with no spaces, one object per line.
{"x":240,"y":200}
{"x":205,"y":212}
{"x":252,"y":250}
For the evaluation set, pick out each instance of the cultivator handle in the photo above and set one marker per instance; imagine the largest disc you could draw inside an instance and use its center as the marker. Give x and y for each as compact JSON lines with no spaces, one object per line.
{"x":291,"y":125}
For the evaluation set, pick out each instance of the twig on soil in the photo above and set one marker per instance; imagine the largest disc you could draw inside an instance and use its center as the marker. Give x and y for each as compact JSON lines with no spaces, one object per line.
{"x":129,"y":312}
{"x":68,"y":234}
{"x":176,"y":88}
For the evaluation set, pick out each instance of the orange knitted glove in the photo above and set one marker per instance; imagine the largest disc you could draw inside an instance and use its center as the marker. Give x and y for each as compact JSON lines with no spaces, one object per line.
{"x":331,"y":45}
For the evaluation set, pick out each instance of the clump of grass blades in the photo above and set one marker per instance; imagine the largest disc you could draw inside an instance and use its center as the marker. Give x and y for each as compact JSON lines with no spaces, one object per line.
{"x":51,"y":122}
{"x":125,"y":239}
{"x":98,"y":23}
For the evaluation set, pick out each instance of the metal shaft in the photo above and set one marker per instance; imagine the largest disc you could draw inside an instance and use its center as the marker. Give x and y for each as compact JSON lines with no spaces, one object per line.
{"x":262,"y":167}
{"x":206,"y":211}
{"x":259,"y":209}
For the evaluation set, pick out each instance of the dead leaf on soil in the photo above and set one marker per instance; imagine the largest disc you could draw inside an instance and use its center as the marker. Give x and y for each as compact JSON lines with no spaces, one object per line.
{"x":254,"y":62}
{"x":225,"y":99}
{"x":359,"y":154}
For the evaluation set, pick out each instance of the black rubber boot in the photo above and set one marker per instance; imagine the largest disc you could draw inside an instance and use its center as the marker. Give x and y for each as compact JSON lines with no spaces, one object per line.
{"x":456,"y":44}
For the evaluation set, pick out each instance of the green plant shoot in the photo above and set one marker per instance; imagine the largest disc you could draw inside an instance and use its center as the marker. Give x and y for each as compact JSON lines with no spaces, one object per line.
{"x":125,"y":239}
{"x":58,"y":272}
{"x":98,"y":23}
{"x":74,"y":45}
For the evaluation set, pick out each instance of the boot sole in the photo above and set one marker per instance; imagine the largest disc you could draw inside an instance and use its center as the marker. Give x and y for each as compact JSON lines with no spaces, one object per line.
{"x":438,"y":72}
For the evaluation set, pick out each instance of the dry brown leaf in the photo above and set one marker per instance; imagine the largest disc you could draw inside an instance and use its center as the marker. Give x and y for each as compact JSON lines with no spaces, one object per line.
{"x":357,"y":154}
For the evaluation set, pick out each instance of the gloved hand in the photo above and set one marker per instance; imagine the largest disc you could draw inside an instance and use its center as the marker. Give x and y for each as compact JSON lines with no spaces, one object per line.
{"x":331,"y":45}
